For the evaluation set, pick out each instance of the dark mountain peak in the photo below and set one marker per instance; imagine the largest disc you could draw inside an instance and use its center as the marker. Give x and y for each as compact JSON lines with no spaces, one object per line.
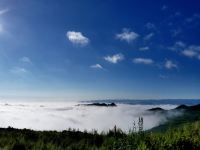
{"x":182,"y":107}
{"x":102,"y":104}
{"x":156,"y":109}
{"x":195,"y":107}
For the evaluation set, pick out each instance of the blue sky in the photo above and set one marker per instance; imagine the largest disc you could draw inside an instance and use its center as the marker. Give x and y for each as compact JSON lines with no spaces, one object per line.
{"x":96,"y":49}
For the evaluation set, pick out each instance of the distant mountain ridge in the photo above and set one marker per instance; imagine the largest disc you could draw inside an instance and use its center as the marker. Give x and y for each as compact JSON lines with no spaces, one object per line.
{"x":189,"y":114}
{"x":177,"y":102}
{"x":180,"y":107}
{"x":100,"y":104}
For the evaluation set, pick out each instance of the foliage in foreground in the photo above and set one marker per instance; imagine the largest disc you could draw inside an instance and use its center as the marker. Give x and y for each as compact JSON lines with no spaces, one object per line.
{"x":185,"y":137}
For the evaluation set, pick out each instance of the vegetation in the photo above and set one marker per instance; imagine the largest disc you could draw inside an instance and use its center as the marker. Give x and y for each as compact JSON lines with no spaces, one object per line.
{"x":185,"y":137}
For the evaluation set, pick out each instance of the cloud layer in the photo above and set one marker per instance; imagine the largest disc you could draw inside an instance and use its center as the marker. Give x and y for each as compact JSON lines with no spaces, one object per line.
{"x":62,"y":115}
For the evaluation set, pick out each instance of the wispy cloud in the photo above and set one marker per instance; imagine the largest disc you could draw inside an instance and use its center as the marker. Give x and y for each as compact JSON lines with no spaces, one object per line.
{"x":164,"y":7}
{"x":163,"y":76}
{"x":150,"y":25}
{"x":127,"y":35}
{"x":114,"y":58}
{"x":19,"y":71}
{"x":195,"y":47}
{"x":145,"y":61}
{"x":3,"y":11}
{"x":176,"y":32}
{"x":192,"y":18}
{"x":145,"y":48}
{"x":179,"y":45}
{"x":25,"y":59}
{"x":177,"y":14}
{"x":149,"y":36}
{"x":191,"y":51}
{"x":170,"y":64}
{"x":96,"y":66}
{"x":1,"y":28}
{"x":77,"y":38}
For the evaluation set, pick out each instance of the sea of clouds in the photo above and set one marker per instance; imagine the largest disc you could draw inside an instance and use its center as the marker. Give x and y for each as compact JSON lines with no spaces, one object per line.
{"x":63,"y":115}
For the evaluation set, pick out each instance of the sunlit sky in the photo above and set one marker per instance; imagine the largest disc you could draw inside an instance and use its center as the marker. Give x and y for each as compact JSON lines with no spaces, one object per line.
{"x":97,"y":49}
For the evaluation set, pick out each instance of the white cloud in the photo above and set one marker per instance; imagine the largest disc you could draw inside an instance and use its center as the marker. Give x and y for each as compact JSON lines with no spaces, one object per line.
{"x":170,"y":64}
{"x":77,"y":38}
{"x":145,"y":61}
{"x":127,"y":35}
{"x":189,"y":53}
{"x":149,"y":36}
{"x":3,"y":11}
{"x":192,"y":51}
{"x":115,"y":58}
{"x":96,"y":66}
{"x":144,"y":48}
{"x":26,"y":59}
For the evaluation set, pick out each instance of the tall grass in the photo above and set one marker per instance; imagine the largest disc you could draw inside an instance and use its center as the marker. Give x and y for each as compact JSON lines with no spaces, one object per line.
{"x":185,"y":137}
